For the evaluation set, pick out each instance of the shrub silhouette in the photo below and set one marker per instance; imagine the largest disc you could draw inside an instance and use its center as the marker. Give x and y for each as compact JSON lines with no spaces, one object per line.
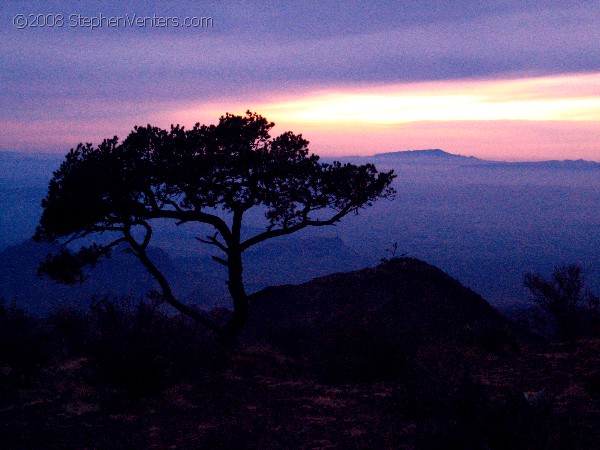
{"x":133,"y":346}
{"x":563,"y":296}
{"x":71,"y":330}
{"x":126,"y":345}
{"x":21,"y":343}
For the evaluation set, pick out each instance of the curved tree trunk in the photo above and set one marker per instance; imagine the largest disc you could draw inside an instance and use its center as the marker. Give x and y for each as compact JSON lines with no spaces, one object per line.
{"x":167,"y":293}
{"x":232,"y":328}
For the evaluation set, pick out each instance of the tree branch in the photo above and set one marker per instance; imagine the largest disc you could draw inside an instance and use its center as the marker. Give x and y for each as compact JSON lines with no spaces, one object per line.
{"x":289,"y":230}
{"x":114,"y":243}
{"x":76,"y":236}
{"x":196,"y":216}
{"x":220,"y":260}
{"x":212,"y":240}
{"x":236,"y":225}
{"x":151,"y":199}
{"x":173,"y":204}
{"x":148,"y":234}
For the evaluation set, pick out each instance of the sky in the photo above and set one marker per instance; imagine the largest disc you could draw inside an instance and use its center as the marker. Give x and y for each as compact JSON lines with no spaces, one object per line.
{"x":507,"y":80}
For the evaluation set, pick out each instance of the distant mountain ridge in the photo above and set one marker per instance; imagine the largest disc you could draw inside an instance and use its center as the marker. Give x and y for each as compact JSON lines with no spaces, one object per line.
{"x":119,"y":275}
{"x":427,"y":153}
{"x":569,"y":164}
{"x":30,"y":169}
{"x":440,"y":156}
{"x":41,"y":165}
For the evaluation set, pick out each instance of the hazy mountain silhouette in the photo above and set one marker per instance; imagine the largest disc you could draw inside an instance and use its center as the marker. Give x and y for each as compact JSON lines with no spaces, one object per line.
{"x":24,"y":181}
{"x":117,"y":276}
{"x":197,"y":279}
{"x":568,"y":164}
{"x":430,"y":155}
{"x":438,"y":155}
{"x":282,"y":261}
{"x":30,"y":169}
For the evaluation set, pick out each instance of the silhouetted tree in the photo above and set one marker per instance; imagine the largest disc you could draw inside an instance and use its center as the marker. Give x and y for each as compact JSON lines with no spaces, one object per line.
{"x":562,"y":295}
{"x":207,"y":175}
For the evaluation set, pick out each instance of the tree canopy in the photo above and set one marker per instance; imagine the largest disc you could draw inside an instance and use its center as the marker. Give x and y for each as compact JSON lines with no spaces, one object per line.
{"x":196,"y":175}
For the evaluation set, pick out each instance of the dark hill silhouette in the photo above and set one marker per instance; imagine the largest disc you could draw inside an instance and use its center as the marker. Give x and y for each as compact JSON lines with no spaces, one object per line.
{"x":377,"y":319}
{"x":140,"y":377}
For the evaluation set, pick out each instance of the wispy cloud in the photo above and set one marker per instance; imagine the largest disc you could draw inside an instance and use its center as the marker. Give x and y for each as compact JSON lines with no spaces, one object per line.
{"x":567,"y":97}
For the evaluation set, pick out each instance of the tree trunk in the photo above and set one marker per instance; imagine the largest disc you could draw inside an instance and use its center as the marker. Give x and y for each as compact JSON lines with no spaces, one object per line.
{"x":238,"y":295}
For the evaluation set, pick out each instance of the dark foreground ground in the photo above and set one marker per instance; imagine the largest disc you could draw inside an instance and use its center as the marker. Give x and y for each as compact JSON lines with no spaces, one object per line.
{"x":398,"y":356}
{"x":259,"y":398}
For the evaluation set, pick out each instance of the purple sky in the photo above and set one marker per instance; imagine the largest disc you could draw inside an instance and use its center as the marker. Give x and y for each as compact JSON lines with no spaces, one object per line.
{"x":63,"y":85}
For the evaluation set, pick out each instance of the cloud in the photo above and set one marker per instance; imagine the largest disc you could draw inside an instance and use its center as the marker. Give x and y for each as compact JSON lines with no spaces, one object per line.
{"x":261,"y":54}
{"x":567,"y":97}
{"x":258,"y":51}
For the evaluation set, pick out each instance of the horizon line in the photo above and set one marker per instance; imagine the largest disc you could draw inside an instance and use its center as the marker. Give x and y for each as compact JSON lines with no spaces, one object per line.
{"x":32,"y":152}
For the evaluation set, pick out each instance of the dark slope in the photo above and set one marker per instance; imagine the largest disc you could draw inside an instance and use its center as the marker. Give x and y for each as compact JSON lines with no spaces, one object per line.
{"x":379,"y":319}
{"x":420,"y":298}
{"x":152,"y":381}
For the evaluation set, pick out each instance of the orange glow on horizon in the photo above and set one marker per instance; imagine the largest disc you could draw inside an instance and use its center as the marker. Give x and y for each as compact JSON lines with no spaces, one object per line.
{"x":553,"y":117}
{"x":556,"y":117}
{"x":497,"y":140}
{"x":569,"y":97}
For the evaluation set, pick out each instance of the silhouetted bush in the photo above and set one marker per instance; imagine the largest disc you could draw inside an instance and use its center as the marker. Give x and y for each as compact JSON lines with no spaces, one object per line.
{"x":71,"y":331}
{"x":593,"y":385}
{"x":21,"y":344}
{"x":126,"y":345}
{"x":573,"y":308}
{"x":138,"y":349}
{"x":497,"y":341}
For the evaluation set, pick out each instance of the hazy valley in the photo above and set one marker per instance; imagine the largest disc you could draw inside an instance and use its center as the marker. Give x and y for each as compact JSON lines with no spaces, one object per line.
{"x":485,"y":223}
